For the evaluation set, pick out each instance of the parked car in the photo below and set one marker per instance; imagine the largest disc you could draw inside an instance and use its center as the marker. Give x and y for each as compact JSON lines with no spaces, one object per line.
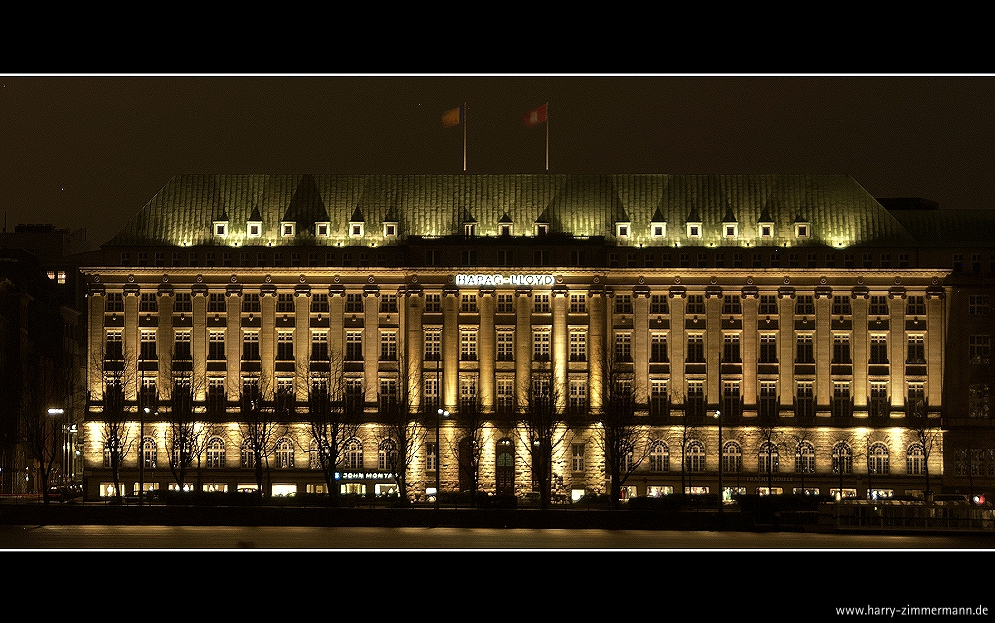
{"x":959,"y":499}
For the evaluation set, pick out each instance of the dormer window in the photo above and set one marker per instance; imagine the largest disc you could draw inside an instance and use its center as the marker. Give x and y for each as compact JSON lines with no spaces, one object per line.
{"x":254,"y":229}
{"x":622,"y":229}
{"x":505,"y":229}
{"x":221,"y":228}
{"x":658,"y":230}
{"x":390,"y":230}
{"x":765,"y":230}
{"x":802,"y":230}
{"x":321,"y":229}
{"x":288,"y":229}
{"x":356,"y":230}
{"x":469,"y":229}
{"x":694,"y":230}
{"x":730,"y":230}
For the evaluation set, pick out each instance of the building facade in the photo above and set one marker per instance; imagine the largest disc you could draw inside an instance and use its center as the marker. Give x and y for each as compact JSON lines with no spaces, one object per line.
{"x":795,"y":318}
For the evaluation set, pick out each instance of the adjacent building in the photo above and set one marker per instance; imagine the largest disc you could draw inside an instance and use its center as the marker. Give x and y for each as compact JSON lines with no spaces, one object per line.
{"x":833,"y":343}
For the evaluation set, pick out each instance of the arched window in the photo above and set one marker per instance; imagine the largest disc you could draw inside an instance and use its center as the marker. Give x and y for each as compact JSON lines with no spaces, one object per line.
{"x":732,"y":457}
{"x":768,"y":461}
{"x":387,"y":455}
{"x":112,"y":452}
{"x":182,"y":453}
{"x":314,"y":455}
{"x":915,"y":460}
{"x":805,"y":458}
{"x":284,"y":454}
{"x":878,"y":459}
{"x":354,"y":454}
{"x":659,"y":457}
{"x":149,"y":453}
{"x":696,"y":456}
{"x":216,"y":452}
{"x":248,"y":455}
{"x":842,"y":458}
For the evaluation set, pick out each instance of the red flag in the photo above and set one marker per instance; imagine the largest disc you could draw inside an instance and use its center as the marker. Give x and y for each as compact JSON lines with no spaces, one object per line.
{"x":452,"y":117}
{"x":537,"y":116}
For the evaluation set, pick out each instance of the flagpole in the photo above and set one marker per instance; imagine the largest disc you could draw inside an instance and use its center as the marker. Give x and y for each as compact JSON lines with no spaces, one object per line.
{"x":464,"y":136}
{"x":547,"y":137}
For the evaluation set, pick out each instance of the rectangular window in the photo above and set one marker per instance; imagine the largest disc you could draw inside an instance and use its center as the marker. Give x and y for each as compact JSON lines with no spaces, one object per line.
{"x":979,"y":349}
{"x":388,"y":345}
{"x":540,"y":344}
{"x":842,"y":404}
{"x":916,"y":349}
{"x":731,"y":305}
{"x":805,"y":305}
{"x":841,"y":305}
{"x":694,"y":405}
{"x":805,"y":350}
{"x":505,"y":395}
{"x":578,"y":303}
{"x":250,"y":303}
{"x":181,"y":350}
{"x":353,"y":345}
{"x":577,"y":457}
{"x":578,"y":345}
{"x":468,"y":344}
{"x":285,"y":303}
{"x":433,"y":344}
{"x":768,"y":348}
{"x":730,"y":348}
{"x":433,"y":303}
{"x":879,"y":306}
{"x":468,"y":392}
{"x":114,"y":346}
{"x":915,"y":399}
{"x":841,"y":348}
{"x":659,"y":400}
{"x":915,"y":305}
{"x":879,"y":349}
{"x":250,"y":346}
{"x":877,"y":403}
{"x":319,"y":346}
{"x":148,"y":351}
{"x":285,"y":345}
{"x":216,"y":346}
{"x":354,"y":303}
{"x":696,"y":304}
{"x":541,"y":304}
{"x":623,"y":304}
{"x":979,"y":400}
{"x":431,"y":385}
{"x":623,"y":347}
{"x":431,"y":457}
{"x":505,"y":303}
{"x":804,"y":400}
{"x":578,"y":396}
{"x":468,"y":304}
{"x":732,"y":403}
{"x":319,"y":304}
{"x":768,"y":305}
{"x":149,"y":303}
{"x":658,"y":304}
{"x":696,"y":348}
{"x":977,"y":304}
{"x":767,"y":406}
{"x":216,"y":303}
{"x":388,"y":303}
{"x":658,"y":347}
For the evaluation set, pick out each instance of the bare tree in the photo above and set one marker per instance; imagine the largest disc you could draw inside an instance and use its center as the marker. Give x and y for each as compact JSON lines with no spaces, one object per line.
{"x":259,"y":429}
{"x":770,"y":442}
{"x":334,"y":415}
{"x":42,"y":422}
{"x":804,"y":464}
{"x":400,"y":435}
{"x":926,"y":435}
{"x":621,"y":437}
{"x":185,"y":437}
{"x":542,"y":429}
{"x":686,"y":432}
{"x":469,"y":422}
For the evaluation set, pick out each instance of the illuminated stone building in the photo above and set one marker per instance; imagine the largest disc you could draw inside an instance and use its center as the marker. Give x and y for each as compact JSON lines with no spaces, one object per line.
{"x":820,"y":326}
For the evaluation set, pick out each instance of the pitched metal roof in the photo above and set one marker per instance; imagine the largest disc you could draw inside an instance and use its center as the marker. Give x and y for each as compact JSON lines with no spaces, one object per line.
{"x":838,"y":210}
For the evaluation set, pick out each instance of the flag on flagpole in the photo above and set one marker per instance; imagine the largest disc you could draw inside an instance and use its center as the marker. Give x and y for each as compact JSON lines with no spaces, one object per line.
{"x":536,"y":116}
{"x":452,"y":117}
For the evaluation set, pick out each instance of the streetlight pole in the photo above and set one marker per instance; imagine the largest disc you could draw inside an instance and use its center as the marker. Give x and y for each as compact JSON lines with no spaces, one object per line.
{"x":141,"y":454}
{"x":718,"y":417}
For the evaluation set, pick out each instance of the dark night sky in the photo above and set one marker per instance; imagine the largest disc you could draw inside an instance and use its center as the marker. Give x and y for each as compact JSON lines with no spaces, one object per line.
{"x":91,"y":150}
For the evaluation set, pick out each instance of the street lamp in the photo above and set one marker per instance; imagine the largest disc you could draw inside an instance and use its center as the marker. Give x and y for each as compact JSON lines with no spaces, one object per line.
{"x":718,"y":418}
{"x":56,"y":412}
{"x":141,"y":454}
{"x":438,"y":455}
